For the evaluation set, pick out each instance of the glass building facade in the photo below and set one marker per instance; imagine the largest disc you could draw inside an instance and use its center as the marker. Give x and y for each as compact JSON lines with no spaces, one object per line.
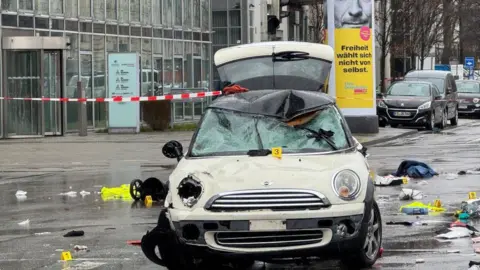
{"x":172,"y":37}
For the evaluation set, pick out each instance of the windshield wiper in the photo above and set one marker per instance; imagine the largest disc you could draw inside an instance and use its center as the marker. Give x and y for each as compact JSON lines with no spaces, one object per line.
{"x":259,"y":152}
{"x":289,"y":56}
{"x":321,"y":134}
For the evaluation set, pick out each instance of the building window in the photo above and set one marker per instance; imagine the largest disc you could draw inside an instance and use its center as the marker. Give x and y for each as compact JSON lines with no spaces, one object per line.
{"x":187,"y":13}
{"x":25,"y":4}
{"x":111,"y":6}
{"x":86,"y":8}
{"x":205,"y":7}
{"x":147,"y":12}
{"x":135,"y":10}
{"x":71,"y":9}
{"x":10,"y":5}
{"x":196,"y":13}
{"x":167,"y":12}
{"x":41,"y":6}
{"x":123,"y":14}
{"x":56,"y":6}
{"x":98,"y":10}
{"x":178,"y":13}
{"x":157,"y":12}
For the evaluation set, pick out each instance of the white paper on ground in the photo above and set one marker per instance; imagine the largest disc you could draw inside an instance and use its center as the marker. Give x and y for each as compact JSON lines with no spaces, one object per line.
{"x":456,"y":232}
{"x":410,"y":194}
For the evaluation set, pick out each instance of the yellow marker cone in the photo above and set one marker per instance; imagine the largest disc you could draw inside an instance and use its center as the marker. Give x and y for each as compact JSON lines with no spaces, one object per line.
{"x":437,"y":203}
{"x":66,"y":256}
{"x":405,"y":180}
{"x":472,"y":195}
{"x":277,"y":152}
{"x":148,"y":200}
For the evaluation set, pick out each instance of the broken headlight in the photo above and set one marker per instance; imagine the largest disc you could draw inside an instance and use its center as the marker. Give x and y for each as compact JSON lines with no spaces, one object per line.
{"x":190,"y":191}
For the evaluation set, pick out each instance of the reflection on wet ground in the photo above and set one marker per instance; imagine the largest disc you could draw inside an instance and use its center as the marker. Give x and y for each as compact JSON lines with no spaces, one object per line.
{"x":108,"y":225}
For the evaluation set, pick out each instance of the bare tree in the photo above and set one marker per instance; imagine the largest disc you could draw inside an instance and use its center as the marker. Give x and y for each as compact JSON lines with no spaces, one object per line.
{"x":468,"y":30}
{"x":449,"y":20}
{"x":316,"y":21}
{"x":383,"y":34}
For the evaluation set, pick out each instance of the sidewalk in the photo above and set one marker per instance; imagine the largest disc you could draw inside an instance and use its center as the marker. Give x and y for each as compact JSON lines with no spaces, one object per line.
{"x":100,"y":151}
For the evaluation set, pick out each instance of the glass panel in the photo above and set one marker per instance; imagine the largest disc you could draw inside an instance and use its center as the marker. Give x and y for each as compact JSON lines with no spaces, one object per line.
{"x":157,"y":10}
{"x":135,"y":10}
{"x":136,"y":45}
{"x":124,"y":44}
{"x":235,"y":36}
{"x":147,"y":11}
{"x":196,"y":13}
{"x":187,"y":13}
{"x":205,"y":15}
{"x":87,"y":83}
{"x":99,"y":81}
{"x":123,"y":13}
{"x":25,"y":4}
{"x":167,"y":12}
{"x":41,"y":6}
{"x":10,"y":5}
{"x":71,"y":9}
{"x":188,"y":64}
{"x":219,"y":18}
{"x":99,"y":10}
{"x":111,"y":6}
{"x":23,"y":80}
{"x":86,"y":8}
{"x":168,"y":66}
{"x":178,"y":83}
{"x":112,"y":44}
{"x":147,"y":75}
{"x":235,"y":19}
{"x":178,"y":12}
{"x":85,"y":42}
{"x":52,"y":87}
{"x":197,"y":72}
{"x":158,"y":75}
{"x":71,"y":80}
{"x":206,"y":66}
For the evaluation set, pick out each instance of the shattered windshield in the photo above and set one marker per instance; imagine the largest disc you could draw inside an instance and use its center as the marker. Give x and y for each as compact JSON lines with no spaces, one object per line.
{"x":299,"y":73}
{"x":225,"y":132}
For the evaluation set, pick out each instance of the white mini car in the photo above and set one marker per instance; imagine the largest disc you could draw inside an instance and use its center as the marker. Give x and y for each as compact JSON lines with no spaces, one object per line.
{"x":270,"y":173}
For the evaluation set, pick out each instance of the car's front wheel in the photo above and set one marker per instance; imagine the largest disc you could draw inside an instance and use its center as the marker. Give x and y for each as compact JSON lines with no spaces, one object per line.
{"x":454,"y":120}
{"x":372,"y":242}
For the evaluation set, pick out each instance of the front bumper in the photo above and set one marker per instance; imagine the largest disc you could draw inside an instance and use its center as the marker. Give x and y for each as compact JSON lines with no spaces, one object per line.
{"x":469,"y":109}
{"x":414,"y":118}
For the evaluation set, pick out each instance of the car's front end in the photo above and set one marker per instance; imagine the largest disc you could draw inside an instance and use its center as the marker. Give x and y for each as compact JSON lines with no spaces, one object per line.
{"x":407,"y":112}
{"x":469,"y":105}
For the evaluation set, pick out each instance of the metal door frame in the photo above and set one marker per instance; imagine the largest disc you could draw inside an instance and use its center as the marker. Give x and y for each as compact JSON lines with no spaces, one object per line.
{"x":35,"y":43}
{"x":59,"y":116}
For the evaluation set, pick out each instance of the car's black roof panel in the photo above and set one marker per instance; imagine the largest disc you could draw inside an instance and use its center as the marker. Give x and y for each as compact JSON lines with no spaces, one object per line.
{"x":282,"y":104}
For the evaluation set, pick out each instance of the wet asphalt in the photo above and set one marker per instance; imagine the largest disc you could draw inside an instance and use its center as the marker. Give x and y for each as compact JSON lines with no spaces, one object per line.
{"x":108,"y":225}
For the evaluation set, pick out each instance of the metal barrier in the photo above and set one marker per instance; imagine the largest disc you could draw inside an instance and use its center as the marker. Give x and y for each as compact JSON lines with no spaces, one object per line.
{"x":188,"y":111}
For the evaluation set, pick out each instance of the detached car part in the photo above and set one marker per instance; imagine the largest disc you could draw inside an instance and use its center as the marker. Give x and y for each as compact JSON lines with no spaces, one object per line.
{"x":189,"y":191}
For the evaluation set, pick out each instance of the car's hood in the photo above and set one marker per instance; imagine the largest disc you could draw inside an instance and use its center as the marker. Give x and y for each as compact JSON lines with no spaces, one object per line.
{"x":468,"y":95}
{"x":405,"y":101}
{"x":225,"y":174}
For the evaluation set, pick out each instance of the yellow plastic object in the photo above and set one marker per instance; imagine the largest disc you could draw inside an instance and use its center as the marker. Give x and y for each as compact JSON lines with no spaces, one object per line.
{"x":148,"y":201}
{"x":116,"y":193}
{"x":405,"y":180}
{"x":422,"y":205}
{"x":66,"y":256}
{"x":437,"y":203}
{"x":472,"y":195}
{"x":277,"y":152}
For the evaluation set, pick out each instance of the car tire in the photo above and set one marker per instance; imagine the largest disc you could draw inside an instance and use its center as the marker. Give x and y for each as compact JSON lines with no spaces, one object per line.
{"x":431,"y":123}
{"x":454,"y":120}
{"x":369,"y":252}
{"x":382,"y":124}
{"x":443,"y":123}
{"x":394,"y":125}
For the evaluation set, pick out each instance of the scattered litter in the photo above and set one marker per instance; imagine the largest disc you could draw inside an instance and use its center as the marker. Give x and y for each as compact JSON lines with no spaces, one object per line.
{"x":69,"y":194}
{"x":86,"y":266}
{"x":116,"y":193}
{"x":422,"y":183}
{"x":21,"y":193}
{"x":407,"y":223}
{"x":24,"y":223}
{"x":476,"y":171}
{"x":108,"y":229}
{"x":474,"y":265}
{"x":410,"y":194}
{"x":452,"y":176}
{"x":453,"y":251}
{"x":58,"y":250}
{"x":419,"y":261}
{"x":415,"y":169}
{"x":42,"y":233}
{"x":80,"y":248}
{"x":388,"y":180}
{"x":456,"y":232}
{"x":74,"y":234}
{"x":134,"y":242}
{"x":84,"y":193}
{"x":418,"y":208}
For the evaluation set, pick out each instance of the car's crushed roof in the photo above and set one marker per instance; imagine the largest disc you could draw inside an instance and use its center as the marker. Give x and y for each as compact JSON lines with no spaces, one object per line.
{"x":282,"y":104}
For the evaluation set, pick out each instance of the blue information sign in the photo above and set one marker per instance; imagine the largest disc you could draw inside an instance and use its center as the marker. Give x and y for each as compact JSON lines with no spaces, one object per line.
{"x":469,"y":62}
{"x":123,"y":81}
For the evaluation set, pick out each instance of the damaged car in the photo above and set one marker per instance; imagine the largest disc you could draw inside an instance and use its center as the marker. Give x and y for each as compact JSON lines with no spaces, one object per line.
{"x":272,"y":171}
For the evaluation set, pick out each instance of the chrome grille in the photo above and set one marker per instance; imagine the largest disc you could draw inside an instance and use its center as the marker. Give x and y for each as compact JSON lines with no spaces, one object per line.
{"x":267,"y":199}
{"x":270,"y":239}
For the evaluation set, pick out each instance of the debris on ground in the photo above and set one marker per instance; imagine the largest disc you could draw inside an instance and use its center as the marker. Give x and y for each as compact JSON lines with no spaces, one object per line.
{"x":134,"y":242}
{"x":84,"y":193}
{"x":407,"y":223}
{"x":410,"y":194}
{"x":453,"y":251}
{"x":456,"y":232}
{"x":476,"y":171}
{"x":415,"y":169}
{"x":469,"y":209}
{"x":389,"y":180}
{"x":21,"y":193}
{"x":74,"y":234}
{"x":116,"y":193}
{"x":419,"y":208}
{"x":152,"y":187}
{"x":452,"y":176}
{"x":42,"y":233}
{"x":69,"y":194}
{"x":80,"y":248}
{"x":24,"y":223}
{"x":419,"y":261}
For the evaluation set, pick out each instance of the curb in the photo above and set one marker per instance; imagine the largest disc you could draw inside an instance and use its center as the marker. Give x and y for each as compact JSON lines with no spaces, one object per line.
{"x":382,"y":140}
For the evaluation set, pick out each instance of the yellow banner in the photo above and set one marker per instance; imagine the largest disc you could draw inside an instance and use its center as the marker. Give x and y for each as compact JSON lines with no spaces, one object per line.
{"x":354,"y":67}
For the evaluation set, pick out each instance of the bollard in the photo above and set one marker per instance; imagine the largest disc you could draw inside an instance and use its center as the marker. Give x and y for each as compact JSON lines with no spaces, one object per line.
{"x":82,"y":111}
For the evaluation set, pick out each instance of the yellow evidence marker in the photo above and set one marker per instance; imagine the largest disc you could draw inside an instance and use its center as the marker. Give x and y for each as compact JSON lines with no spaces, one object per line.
{"x":405,"y":180}
{"x":472,"y":195}
{"x":66,"y":256}
{"x":148,"y":200}
{"x":277,"y":152}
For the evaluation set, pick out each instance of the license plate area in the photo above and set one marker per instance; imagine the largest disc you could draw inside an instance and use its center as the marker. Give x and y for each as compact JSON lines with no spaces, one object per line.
{"x":268,"y":225}
{"x":402,"y":113}
{"x":462,"y":106}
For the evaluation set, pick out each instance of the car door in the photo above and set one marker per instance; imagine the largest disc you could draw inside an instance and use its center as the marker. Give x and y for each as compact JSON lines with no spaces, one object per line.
{"x":437,"y":104}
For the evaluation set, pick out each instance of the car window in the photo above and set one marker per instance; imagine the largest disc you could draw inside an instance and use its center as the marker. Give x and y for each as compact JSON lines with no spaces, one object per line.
{"x":228,"y":133}
{"x":409,"y":89}
{"x":468,"y":87}
{"x":438,"y":82}
{"x":436,"y":93}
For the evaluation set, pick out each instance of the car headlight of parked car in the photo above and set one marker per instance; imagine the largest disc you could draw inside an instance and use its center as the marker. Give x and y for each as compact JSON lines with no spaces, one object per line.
{"x":425,"y":105}
{"x":381,"y":104}
{"x":476,"y":100}
{"x":346,"y":185}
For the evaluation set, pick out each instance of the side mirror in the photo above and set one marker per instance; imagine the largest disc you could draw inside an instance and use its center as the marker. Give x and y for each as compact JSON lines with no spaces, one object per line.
{"x":173,"y":149}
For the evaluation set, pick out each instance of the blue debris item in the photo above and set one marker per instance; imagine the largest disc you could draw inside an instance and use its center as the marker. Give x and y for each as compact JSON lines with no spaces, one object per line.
{"x":463,"y":216}
{"x":415,"y":169}
{"x":415,"y":211}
